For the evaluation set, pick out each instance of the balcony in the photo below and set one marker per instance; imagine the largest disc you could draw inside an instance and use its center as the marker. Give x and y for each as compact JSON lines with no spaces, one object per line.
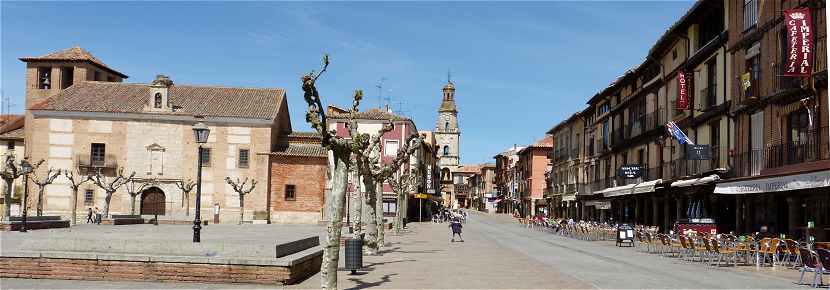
{"x":640,"y":125}
{"x":782,"y":84}
{"x":86,"y":161}
{"x":708,"y":98}
{"x":782,"y":154}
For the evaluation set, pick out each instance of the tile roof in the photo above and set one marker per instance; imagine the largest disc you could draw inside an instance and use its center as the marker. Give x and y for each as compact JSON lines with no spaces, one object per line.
{"x":75,"y":53}
{"x":545,"y":142}
{"x":371,"y":114}
{"x":11,"y":126}
{"x":117,"y":97}
{"x":300,"y":150}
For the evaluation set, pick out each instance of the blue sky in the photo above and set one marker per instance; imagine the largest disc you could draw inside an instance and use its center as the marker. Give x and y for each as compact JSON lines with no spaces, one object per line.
{"x":519,"y":68}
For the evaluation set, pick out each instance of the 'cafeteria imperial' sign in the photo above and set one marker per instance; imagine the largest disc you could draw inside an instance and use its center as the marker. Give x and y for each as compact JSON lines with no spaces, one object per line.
{"x":773,"y":184}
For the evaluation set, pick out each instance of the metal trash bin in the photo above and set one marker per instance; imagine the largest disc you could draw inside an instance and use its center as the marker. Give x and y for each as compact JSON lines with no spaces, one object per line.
{"x":354,"y":254}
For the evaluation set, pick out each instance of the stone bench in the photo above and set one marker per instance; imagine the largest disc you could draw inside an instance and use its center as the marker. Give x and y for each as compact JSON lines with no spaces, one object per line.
{"x":126,"y":219}
{"x":37,"y":222}
{"x":300,"y":245}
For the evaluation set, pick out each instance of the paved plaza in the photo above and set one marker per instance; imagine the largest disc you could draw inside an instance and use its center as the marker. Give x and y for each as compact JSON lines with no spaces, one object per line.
{"x":497,"y":253}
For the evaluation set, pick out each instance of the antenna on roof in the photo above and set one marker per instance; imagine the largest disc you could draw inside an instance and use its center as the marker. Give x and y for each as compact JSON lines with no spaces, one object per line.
{"x":402,"y":109}
{"x":379,"y":85}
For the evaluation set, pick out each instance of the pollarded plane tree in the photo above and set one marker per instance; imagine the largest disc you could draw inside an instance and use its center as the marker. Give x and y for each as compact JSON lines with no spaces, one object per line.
{"x":42,"y":182}
{"x":75,"y":181}
{"x":186,"y":186}
{"x":239,"y":188}
{"x":110,"y":186}
{"x":341,"y":150}
{"x":402,"y":185}
{"x":413,"y":142}
{"x":134,"y":188}
{"x":9,"y":173}
{"x":368,"y":164}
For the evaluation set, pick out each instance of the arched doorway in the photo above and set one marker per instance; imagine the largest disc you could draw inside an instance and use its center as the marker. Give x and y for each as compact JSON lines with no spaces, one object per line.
{"x":152,"y":201}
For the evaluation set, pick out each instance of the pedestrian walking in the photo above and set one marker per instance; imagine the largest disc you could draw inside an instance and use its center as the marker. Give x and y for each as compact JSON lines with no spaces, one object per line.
{"x":89,"y":216}
{"x":455,"y":225}
{"x":97,"y":216}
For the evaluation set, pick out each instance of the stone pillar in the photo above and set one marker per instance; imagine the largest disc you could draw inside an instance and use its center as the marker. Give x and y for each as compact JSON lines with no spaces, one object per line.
{"x":666,"y":213}
{"x":793,"y":205}
{"x":637,"y":210}
{"x":679,"y":210}
{"x":654,"y":211}
{"x":739,"y":212}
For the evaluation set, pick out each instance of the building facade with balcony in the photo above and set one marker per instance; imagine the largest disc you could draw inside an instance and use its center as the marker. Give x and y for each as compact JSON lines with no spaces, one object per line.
{"x":764,"y":134}
{"x":567,"y":162}
{"x":779,"y":168}
{"x":506,"y":180}
{"x":81,"y":117}
{"x":530,"y":170}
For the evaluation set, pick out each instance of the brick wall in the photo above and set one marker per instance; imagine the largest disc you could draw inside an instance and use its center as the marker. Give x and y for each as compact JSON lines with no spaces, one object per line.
{"x":86,"y":269}
{"x":307,"y":174}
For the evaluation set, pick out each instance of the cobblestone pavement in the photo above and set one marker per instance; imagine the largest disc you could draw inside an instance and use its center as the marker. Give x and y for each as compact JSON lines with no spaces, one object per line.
{"x":498,"y":253}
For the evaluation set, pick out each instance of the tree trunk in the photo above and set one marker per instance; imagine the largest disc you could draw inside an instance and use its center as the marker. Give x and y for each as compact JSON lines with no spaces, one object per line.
{"x":74,"y":206}
{"x":379,"y":216}
{"x":7,"y":198}
{"x":187,"y":197}
{"x":357,"y":207}
{"x":241,"y":208}
{"x":107,"y":200}
{"x":399,"y":212}
{"x":371,"y":240}
{"x":132,"y":203}
{"x":331,"y":252}
{"x":40,"y":200}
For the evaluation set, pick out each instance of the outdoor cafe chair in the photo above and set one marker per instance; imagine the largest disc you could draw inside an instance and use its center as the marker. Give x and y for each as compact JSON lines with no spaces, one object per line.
{"x":758,"y":249}
{"x":724,"y":250}
{"x":824,"y":263}
{"x":791,"y":253}
{"x":810,"y":263}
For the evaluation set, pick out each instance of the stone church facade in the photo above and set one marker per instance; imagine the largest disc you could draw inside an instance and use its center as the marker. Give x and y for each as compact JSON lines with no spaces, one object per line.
{"x":81,"y":117}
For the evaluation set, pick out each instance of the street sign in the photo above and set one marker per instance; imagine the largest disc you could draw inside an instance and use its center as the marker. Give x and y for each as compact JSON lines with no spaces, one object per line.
{"x":630,"y":171}
{"x":699,"y":152}
{"x":421,"y":196}
{"x":431,"y":191}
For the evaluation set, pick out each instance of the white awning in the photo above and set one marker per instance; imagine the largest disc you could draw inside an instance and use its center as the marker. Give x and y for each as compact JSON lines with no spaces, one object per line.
{"x":774,"y":184}
{"x":646,"y":187}
{"x":617,"y":191}
{"x":696,"y":181}
{"x":570,"y":197}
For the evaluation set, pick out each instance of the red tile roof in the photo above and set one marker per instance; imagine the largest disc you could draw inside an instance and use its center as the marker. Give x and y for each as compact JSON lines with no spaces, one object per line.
{"x":300,"y":150}
{"x":11,"y":126}
{"x":72,"y":54}
{"x":209,"y":101}
{"x":371,"y":114}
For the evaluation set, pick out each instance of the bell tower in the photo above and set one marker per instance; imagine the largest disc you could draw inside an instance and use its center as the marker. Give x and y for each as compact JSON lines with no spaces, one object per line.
{"x":447,"y":132}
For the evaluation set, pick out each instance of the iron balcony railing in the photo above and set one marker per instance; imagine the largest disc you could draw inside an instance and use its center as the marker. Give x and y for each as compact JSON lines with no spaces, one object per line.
{"x":708,"y":97}
{"x":814,"y":146}
{"x":781,"y":83}
{"x":88,"y":161}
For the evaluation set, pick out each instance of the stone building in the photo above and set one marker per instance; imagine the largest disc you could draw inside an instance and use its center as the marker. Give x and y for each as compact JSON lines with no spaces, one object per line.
{"x":81,"y":117}
{"x":447,"y":138}
{"x":567,"y":166}
{"x":11,"y":142}
{"x":507,"y":181}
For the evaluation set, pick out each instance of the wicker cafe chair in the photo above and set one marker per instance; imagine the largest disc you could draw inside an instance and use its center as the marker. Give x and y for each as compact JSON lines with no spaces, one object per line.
{"x":760,"y":248}
{"x":810,"y":263}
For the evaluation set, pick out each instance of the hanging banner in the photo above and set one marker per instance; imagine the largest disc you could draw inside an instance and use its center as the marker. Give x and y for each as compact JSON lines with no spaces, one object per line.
{"x":682,"y":92}
{"x":800,"y":44}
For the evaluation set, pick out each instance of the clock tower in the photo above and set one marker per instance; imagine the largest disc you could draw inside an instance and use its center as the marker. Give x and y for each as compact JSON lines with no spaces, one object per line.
{"x":447,"y":133}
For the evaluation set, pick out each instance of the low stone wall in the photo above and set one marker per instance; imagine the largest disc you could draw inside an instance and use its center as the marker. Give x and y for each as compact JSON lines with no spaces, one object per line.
{"x":81,"y":266}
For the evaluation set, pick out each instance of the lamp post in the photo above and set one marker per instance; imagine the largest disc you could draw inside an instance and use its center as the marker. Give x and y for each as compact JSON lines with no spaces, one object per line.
{"x":26,"y":168}
{"x":201,"y":132}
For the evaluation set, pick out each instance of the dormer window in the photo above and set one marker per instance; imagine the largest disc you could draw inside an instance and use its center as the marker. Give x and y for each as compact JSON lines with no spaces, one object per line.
{"x":157,"y":101}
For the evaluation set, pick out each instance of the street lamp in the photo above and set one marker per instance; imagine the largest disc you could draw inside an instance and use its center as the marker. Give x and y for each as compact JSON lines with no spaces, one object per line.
{"x":25,"y":168}
{"x":201,"y":132}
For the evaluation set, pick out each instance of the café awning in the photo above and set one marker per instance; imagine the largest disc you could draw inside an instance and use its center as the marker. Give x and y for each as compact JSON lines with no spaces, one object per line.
{"x":569,"y":197}
{"x":617,"y":191}
{"x":696,"y":181}
{"x":774,"y":184}
{"x":645,"y":187}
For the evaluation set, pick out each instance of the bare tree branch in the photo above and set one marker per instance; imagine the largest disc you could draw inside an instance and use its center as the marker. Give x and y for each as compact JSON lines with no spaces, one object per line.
{"x":239,"y":188}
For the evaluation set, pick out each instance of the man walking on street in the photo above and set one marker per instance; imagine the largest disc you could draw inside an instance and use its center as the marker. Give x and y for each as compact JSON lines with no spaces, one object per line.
{"x":455,"y":225}
{"x":89,"y":216}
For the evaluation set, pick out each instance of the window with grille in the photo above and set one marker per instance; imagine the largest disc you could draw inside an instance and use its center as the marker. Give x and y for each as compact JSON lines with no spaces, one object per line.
{"x":290,"y":192}
{"x":750,"y":14}
{"x":205,"y":157}
{"x":97,"y":154}
{"x":244,"y":158}
{"x":88,"y":197}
